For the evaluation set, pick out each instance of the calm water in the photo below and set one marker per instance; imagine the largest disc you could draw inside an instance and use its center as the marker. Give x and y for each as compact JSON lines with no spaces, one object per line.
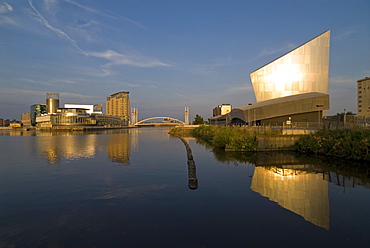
{"x":130,"y":188}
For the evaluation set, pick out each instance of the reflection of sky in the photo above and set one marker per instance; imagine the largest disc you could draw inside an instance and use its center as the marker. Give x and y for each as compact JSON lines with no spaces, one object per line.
{"x":118,"y":192}
{"x":303,"y":193}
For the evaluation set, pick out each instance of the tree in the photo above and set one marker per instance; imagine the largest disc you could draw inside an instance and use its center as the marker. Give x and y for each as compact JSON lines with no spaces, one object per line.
{"x":347,"y":113}
{"x":198,"y":120}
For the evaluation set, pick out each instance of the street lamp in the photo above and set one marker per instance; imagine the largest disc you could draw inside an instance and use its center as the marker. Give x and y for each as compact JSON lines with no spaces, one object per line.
{"x":319,"y":106}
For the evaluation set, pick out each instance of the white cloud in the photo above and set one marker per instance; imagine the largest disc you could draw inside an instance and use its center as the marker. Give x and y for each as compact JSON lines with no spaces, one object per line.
{"x":5,"y":7}
{"x":54,"y":29}
{"x":20,"y":92}
{"x":115,"y":58}
{"x":7,"y":20}
{"x":50,"y":4}
{"x":345,"y":34}
{"x":112,"y":15}
{"x":244,"y":89}
{"x":284,"y":49}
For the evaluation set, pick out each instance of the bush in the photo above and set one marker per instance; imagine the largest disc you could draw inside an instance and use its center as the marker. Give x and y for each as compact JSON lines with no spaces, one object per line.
{"x":344,"y":143}
{"x":227,"y":137}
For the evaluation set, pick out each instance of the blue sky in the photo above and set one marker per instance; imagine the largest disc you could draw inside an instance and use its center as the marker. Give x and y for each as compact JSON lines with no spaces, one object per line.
{"x":169,"y":53}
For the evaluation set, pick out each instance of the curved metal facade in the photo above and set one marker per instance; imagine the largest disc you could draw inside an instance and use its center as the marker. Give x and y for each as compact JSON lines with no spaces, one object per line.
{"x":303,"y":70}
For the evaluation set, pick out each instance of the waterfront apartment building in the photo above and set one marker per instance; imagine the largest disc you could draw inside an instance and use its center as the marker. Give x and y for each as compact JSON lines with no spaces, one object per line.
{"x":363,"y":97}
{"x":118,"y":104}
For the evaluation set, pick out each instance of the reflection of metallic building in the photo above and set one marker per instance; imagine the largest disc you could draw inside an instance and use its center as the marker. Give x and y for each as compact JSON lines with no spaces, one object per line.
{"x":294,"y":85}
{"x":118,"y":148}
{"x":52,"y":102}
{"x":118,"y":104}
{"x":297,"y":190}
{"x":66,"y":146}
{"x":363,"y":97}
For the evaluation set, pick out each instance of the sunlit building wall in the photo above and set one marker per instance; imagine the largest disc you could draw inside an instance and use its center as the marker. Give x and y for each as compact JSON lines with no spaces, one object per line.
{"x":118,"y":104}
{"x":301,"y":192}
{"x":26,"y":119}
{"x":52,"y":102}
{"x":363,"y":97}
{"x":303,"y":70}
{"x":222,"y":109}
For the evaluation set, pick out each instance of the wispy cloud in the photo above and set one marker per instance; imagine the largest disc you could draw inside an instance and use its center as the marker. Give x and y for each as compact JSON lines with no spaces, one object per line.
{"x":115,"y":58}
{"x":8,"y":20}
{"x":344,"y":82}
{"x":5,"y":7}
{"x":54,"y":29}
{"x":345,"y":33}
{"x":16,"y":92}
{"x":283,"y":49}
{"x":240,"y":89}
{"x":111,"y":15}
{"x":77,"y":96}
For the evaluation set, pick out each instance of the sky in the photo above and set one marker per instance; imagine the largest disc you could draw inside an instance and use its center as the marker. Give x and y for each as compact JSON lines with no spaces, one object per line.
{"x":169,"y":54}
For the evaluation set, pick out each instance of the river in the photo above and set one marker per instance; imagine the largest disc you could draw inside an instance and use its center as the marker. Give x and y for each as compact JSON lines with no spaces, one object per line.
{"x":138,"y":188}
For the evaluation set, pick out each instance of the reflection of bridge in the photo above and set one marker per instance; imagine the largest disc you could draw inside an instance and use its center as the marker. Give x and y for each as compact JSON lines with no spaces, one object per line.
{"x":166,"y":121}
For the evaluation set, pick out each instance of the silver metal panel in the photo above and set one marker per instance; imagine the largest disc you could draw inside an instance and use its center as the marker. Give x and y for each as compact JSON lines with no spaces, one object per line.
{"x":303,"y":70}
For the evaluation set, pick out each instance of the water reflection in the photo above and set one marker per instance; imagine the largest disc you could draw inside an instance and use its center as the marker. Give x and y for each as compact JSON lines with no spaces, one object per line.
{"x":299,"y":191}
{"x":58,"y":146}
{"x":118,"y":148}
{"x":299,"y":184}
{"x":69,"y":147}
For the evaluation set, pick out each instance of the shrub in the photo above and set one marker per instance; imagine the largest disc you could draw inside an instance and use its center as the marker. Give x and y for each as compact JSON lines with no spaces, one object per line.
{"x":344,"y":143}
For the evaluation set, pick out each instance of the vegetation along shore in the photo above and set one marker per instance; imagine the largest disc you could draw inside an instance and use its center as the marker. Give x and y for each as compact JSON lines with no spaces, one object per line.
{"x":352,"y":144}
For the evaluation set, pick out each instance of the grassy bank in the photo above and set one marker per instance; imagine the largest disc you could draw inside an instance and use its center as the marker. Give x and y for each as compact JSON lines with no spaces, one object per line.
{"x":239,"y":139}
{"x":353,"y":144}
{"x":344,"y":143}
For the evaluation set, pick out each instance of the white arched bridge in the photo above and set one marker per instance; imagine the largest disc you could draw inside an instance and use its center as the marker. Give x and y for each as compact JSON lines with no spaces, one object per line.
{"x":159,"y":121}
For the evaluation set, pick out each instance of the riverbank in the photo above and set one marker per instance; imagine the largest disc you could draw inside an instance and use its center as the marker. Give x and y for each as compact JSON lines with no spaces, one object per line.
{"x":351,"y":144}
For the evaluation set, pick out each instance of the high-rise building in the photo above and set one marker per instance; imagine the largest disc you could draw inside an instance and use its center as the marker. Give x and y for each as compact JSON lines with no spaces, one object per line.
{"x":363,"y":97}
{"x":118,"y":104}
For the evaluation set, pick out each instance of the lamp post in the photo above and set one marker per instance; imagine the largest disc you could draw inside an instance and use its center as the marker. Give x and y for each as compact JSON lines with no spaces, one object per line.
{"x":319,"y":106}
{"x":344,"y":119}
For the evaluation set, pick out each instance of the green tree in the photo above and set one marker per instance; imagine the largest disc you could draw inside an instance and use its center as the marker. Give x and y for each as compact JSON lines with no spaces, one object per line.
{"x":347,"y":113}
{"x":198,"y":120}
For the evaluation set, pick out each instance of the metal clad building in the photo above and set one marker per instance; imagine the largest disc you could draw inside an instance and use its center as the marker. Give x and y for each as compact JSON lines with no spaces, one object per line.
{"x":303,"y":70}
{"x":293,"y":87}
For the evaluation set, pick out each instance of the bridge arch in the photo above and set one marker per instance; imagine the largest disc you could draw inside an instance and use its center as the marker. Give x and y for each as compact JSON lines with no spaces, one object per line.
{"x":165,"y":119}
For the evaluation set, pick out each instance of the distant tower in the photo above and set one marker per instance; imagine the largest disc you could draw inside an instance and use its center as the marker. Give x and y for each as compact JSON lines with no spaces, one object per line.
{"x":134,"y":116}
{"x":186,"y":115}
{"x":118,"y":104}
{"x":52,"y":102}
